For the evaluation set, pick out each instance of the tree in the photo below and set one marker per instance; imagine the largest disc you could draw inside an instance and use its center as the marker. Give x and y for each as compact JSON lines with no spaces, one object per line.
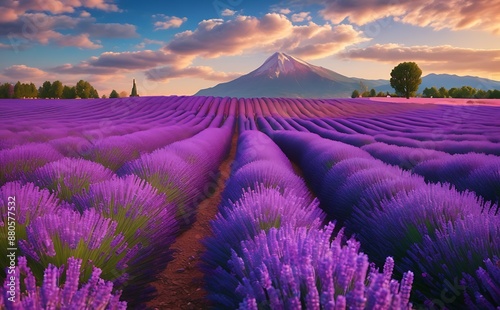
{"x":355,"y":94}
{"x":114,"y":94}
{"x":44,"y":92}
{"x":33,"y":92}
{"x":83,"y":89}
{"x":18,"y":91}
{"x":431,"y":92}
{"x":93,"y":93}
{"x":134,"y":91}
{"x":373,"y":93}
{"x":405,"y":78}
{"x":68,"y":92}
{"x":56,"y":90}
{"x":443,"y":92}
{"x":123,"y":94}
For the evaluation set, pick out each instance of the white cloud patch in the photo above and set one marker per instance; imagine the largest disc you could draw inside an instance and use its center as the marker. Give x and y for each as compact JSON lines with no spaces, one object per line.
{"x":167,"y":22}
{"x":228,"y":12}
{"x":300,"y":17}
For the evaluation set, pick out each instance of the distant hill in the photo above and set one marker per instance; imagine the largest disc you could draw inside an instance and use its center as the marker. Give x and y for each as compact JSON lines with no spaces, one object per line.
{"x":448,"y":81}
{"x":282,"y":75}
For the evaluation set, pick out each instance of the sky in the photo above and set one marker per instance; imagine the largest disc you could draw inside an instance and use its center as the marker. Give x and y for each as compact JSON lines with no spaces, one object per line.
{"x":179,"y":47}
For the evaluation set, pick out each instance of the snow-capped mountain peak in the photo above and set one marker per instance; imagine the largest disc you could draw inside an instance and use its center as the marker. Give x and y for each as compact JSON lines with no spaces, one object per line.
{"x":280,"y":63}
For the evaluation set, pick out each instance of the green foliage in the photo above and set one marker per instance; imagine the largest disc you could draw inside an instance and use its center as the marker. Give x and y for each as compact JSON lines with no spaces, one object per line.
{"x":134,"y":91}
{"x":405,"y":78}
{"x":355,"y":94}
{"x":56,"y":90}
{"x":462,"y":92}
{"x":114,"y":94}
{"x":69,"y":92}
{"x":6,"y":90}
{"x":373,"y":93}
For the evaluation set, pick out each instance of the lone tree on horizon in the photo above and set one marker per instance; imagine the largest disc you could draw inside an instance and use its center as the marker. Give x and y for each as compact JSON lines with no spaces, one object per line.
{"x":134,"y":91}
{"x":406,"y":78}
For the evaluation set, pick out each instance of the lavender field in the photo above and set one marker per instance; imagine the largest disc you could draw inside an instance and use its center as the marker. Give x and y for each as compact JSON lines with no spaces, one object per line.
{"x":328,"y":204}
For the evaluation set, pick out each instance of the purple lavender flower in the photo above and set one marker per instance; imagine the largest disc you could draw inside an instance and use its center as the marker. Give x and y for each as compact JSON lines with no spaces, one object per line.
{"x":134,"y":205}
{"x":69,"y":176}
{"x":457,"y":248}
{"x":96,"y":294}
{"x":408,"y":217}
{"x":257,"y":210}
{"x":25,"y":158}
{"x":301,"y":263}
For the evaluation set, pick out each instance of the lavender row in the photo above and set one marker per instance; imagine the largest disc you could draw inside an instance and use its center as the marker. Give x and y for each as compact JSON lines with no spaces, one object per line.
{"x":381,"y":204}
{"x":268,"y":249}
{"x":184,"y":169}
{"x":474,"y":172}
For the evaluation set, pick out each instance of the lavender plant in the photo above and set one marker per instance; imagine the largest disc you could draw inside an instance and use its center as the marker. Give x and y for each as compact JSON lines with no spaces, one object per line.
{"x":482,"y":289}
{"x":257,"y":210}
{"x":301,"y":268}
{"x":53,"y":238}
{"x":96,"y":293}
{"x":69,"y":176}
{"x":30,"y":203}
{"x":24,"y":159}
{"x":458,"y":248}
{"x":409,"y":217}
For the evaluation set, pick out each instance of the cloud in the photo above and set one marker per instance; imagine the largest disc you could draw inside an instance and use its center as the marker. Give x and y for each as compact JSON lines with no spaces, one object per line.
{"x":300,"y":17}
{"x":84,"y":14}
{"x":80,"y":41}
{"x":442,"y":58}
{"x":285,"y":11}
{"x":437,"y":14}
{"x":203,"y":72}
{"x":11,"y":9}
{"x":112,"y":63}
{"x":272,"y":32}
{"x":43,"y":28}
{"x":228,"y":12}
{"x":148,"y":42}
{"x":23,"y":72}
{"x":168,"y":22}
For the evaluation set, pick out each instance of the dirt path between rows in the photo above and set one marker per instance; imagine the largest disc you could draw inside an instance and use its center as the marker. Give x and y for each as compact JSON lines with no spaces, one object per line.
{"x":180,"y":286}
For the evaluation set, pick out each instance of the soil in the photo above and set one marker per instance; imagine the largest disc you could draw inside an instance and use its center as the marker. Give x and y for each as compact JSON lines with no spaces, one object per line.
{"x":180,"y":286}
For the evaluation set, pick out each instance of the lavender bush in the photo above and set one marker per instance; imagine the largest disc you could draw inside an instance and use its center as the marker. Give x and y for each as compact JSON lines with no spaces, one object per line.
{"x":23,"y":159}
{"x":69,"y":176}
{"x":483,"y":288}
{"x":458,"y":248}
{"x":96,"y":293}
{"x":30,"y":203}
{"x":301,"y":268}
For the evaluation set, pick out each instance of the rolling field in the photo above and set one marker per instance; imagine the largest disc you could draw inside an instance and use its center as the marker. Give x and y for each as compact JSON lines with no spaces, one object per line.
{"x":259,"y":203}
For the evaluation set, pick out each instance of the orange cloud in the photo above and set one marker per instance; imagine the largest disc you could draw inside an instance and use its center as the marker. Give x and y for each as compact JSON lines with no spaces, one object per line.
{"x":437,"y":14}
{"x":214,"y":38}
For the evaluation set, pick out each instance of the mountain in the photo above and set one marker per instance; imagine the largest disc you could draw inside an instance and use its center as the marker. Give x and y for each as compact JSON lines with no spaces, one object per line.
{"x":448,"y":81}
{"x":282,"y":75}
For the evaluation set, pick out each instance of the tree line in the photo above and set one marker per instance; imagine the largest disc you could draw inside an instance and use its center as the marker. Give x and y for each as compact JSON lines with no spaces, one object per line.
{"x":52,"y":90}
{"x":407,"y":77}
{"x":56,"y":90}
{"x":462,"y":92}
